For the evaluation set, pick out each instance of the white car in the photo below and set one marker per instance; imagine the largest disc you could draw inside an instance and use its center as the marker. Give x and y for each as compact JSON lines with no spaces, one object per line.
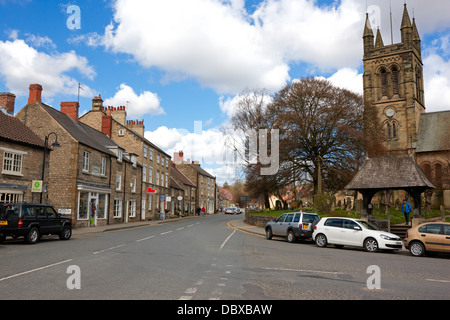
{"x":353,"y":232}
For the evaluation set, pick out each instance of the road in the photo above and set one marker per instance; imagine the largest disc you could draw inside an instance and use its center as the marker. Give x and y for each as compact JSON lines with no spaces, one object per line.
{"x":205,"y":259}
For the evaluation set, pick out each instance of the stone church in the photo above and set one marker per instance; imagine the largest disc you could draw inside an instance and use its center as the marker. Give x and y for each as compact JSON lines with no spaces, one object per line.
{"x":394,"y":84}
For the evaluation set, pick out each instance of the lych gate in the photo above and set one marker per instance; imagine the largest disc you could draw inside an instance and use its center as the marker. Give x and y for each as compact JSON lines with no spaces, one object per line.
{"x":390,"y":173}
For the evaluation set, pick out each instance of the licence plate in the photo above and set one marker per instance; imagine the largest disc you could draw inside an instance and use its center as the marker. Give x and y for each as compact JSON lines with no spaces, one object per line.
{"x":306,"y":226}
{"x":3,"y":223}
{"x":399,"y":243}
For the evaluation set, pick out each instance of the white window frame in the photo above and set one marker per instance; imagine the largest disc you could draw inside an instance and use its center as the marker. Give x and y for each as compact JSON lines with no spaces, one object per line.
{"x":12,"y":162}
{"x":103,"y":168}
{"x":118,"y":182}
{"x":133,"y":185}
{"x":144,"y":173}
{"x":132,"y":208}
{"x":117,"y":210}
{"x":86,"y":161}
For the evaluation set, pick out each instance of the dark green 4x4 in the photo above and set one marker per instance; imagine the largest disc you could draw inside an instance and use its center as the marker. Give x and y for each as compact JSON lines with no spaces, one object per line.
{"x":31,"y":221}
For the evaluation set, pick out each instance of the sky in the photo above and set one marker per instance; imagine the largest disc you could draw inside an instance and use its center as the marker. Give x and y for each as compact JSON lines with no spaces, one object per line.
{"x":181,"y":65}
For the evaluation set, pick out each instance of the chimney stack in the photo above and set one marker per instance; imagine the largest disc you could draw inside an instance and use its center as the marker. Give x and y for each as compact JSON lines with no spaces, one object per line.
{"x":71,"y":109}
{"x":8,"y":100}
{"x":97,"y":103}
{"x":35,"y":94}
{"x":107,"y":125}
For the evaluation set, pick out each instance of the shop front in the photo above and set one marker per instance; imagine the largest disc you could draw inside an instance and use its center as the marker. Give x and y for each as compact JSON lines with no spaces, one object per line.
{"x":92,"y":206}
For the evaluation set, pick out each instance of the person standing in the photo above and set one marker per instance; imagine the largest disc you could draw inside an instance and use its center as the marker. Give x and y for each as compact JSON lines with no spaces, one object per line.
{"x":406,"y":210}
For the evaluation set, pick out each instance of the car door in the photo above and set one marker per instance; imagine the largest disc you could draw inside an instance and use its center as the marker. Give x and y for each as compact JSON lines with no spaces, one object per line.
{"x":351,"y":233}
{"x":289,"y":222}
{"x":54,"y":224}
{"x":41,"y":216}
{"x":433,"y":236}
{"x":333,"y":228}
{"x":277,"y":227}
{"x":447,"y":237}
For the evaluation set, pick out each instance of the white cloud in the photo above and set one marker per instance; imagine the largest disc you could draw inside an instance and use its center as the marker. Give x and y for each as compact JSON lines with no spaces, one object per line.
{"x":212,"y":148}
{"x":437,"y":83}
{"x":137,"y":105}
{"x":224,"y":47}
{"x":349,"y":79}
{"x":21,"y":65}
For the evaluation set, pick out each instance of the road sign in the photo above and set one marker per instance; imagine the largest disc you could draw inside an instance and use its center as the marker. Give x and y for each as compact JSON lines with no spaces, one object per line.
{"x":150,"y":190}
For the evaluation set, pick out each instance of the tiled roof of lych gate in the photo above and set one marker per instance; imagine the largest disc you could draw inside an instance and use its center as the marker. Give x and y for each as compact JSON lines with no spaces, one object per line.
{"x":14,"y":130}
{"x":389,"y":172}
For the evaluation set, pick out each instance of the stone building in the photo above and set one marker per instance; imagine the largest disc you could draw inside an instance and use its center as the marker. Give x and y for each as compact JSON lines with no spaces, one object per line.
{"x":394,"y":84}
{"x":91,"y":178}
{"x":205,"y":183}
{"x":21,"y":156}
{"x":155,"y":162}
{"x":189,"y":189}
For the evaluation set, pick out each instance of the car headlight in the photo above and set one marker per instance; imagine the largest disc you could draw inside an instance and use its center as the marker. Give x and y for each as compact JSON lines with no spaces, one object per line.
{"x":385,"y":237}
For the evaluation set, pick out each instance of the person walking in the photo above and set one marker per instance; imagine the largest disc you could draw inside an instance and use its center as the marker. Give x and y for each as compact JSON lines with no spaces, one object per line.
{"x":406,"y":210}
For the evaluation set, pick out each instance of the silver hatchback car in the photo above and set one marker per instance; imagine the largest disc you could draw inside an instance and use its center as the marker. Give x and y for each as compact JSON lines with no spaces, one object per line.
{"x":296,"y":225}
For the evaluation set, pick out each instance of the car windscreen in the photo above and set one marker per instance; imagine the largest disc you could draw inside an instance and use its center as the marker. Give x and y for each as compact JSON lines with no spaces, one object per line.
{"x":367,"y":225}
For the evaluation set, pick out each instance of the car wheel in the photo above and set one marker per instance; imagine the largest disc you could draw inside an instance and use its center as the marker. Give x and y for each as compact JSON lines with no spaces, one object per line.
{"x":417,"y":249}
{"x":66,"y":233}
{"x":291,"y":237}
{"x":371,"y":245}
{"x":321,"y":240}
{"x":32,"y":236}
{"x":269,"y":234}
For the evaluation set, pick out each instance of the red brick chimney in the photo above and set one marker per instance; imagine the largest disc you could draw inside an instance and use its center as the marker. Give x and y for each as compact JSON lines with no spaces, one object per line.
{"x":35,"y":93}
{"x":107,"y":125}
{"x":8,"y":101}
{"x":71,"y":109}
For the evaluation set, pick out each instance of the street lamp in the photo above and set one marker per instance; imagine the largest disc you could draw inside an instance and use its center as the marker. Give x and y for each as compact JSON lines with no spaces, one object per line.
{"x":55,"y":144}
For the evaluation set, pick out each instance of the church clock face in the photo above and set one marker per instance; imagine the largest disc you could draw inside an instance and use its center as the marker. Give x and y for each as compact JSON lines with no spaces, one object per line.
{"x":390,"y":112}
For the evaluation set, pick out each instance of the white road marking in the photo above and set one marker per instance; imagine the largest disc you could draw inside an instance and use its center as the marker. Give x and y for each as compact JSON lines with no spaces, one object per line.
{"x":145,"y":239}
{"x":226,"y":240}
{"x":109,"y":249}
{"x":33,"y":270}
{"x":442,"y":281}
{"x":166,"y":232}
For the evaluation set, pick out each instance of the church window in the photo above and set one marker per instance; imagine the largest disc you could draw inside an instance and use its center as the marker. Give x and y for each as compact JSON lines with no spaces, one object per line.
{"x":395,"y":81}
{"x":384,"y":83}
{"x":389,"y":130}
{"x":394,"y":130}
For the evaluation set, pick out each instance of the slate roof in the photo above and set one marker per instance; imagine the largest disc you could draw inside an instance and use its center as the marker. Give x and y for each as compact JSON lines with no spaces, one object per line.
{"x":14,"y":130}
{"x":434,"y":132}
{"x":178,"y":175}
{"x":201,"y":170}
{"x":82,"y":132}
{"x":390,"y":172}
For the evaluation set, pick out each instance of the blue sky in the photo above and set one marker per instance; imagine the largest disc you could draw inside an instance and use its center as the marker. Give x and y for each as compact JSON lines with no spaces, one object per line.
{"x":174,"y":62}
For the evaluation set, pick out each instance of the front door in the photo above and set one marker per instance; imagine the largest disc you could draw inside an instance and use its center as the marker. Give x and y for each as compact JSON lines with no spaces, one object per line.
{"x":93,"y":210}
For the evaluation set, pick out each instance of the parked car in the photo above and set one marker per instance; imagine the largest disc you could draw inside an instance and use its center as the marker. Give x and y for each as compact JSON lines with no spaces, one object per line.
{"x":353,"y":232}
{"x":230,"y":210}
{"x":296,"y":225}
{"x":428,"y":237}
{"x":32,"y":221}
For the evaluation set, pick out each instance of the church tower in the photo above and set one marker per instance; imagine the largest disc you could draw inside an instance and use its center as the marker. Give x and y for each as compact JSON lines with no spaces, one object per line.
{"x":393,"y":82}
